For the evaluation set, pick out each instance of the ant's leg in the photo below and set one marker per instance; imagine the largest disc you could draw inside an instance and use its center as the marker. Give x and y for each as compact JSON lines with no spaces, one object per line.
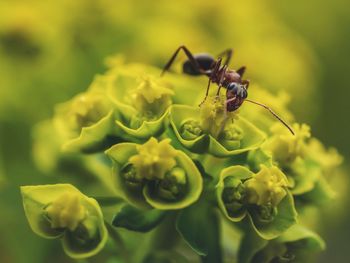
{"x":189,"y":56}
{"x":206,"y":94}
{"x":246,"y":83}
{"x":214,"y":73}
{"x":241,"y":71}
{"x":216,"y":68}
{"x":228,"y":54}
{"x":211,"y":78}
{"x":222,"y":77}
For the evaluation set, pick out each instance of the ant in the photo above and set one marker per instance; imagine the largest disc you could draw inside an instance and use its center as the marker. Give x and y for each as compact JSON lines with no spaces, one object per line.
{"x":218,"y":72}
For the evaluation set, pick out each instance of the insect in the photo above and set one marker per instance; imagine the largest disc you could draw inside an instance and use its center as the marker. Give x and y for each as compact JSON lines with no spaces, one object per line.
{"x":218,"y":72}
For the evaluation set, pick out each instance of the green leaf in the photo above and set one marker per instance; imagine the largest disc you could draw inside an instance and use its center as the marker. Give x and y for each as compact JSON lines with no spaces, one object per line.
{"x":298,"y":232}
{"x":165,"y":257}
{"x":134,"y":219}
{"x":199,"y":227}
{"x":251,"y":243}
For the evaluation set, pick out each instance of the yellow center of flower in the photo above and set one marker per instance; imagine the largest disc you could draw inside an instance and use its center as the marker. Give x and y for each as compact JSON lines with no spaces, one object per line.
{"x":87,"y":109}
{"x":214,"y":116}
{"x":267,"y":187}
{"x":154,"y":159}
{"x":66,"y":211}
{"x":151,"y":96}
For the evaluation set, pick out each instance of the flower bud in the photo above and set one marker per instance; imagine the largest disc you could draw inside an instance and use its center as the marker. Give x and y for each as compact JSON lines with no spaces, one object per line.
{"x":190,"y":130}
{"x":173,"y":185}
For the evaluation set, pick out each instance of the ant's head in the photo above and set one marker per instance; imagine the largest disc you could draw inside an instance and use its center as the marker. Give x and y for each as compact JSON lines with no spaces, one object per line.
{"x":237,"y":90}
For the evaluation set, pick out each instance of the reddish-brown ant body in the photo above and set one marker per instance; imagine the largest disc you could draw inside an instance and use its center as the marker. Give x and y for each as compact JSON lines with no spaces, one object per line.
{"x":218,"y":72}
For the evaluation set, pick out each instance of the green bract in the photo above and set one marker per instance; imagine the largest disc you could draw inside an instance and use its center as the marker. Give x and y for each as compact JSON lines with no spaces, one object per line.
{"x":262,"y":197}
{"x":155,"y":174}
{"x":62,"y":211}
{"x":211,"y":129}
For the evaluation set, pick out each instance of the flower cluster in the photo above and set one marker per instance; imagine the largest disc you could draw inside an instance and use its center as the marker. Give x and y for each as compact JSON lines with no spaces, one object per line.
{"x":172,"y":166}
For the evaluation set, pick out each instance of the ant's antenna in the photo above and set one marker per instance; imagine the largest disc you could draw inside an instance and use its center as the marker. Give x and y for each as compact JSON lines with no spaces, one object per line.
{"x":273,"y":113}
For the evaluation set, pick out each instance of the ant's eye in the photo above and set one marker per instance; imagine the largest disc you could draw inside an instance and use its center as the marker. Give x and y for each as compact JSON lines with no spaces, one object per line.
{"x":244,"y":93}
{"x":233,"y":88}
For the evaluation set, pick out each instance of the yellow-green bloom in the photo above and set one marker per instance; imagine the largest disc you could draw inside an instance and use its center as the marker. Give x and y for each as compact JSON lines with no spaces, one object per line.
{"x":155,"y":174}
{"x":262,"y":197}
{"x":154,"y":159}
{"x":267,"y":187}
{"x":327,"y":158}
{"x":62,"y":211}
{"x":87,"y":122}
{"x":142,"y":99}
{"x":284,"y":146}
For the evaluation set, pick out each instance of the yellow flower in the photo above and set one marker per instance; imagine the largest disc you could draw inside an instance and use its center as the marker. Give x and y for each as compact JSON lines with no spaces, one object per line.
{"x":66,"y":211}
{"x":214,"y":116}
{"x":267,"y":187}
{"x":154,"y":159}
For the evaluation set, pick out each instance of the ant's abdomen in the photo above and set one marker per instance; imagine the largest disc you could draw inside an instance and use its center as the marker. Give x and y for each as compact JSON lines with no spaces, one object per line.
{"x":205,"y":62}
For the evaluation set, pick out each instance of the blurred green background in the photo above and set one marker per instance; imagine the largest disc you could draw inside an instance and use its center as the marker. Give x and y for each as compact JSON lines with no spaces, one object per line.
{"x":51,"y":50}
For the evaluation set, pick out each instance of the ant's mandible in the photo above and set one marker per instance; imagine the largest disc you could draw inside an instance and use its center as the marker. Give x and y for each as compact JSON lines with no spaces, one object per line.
{"x":218,"y":72}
